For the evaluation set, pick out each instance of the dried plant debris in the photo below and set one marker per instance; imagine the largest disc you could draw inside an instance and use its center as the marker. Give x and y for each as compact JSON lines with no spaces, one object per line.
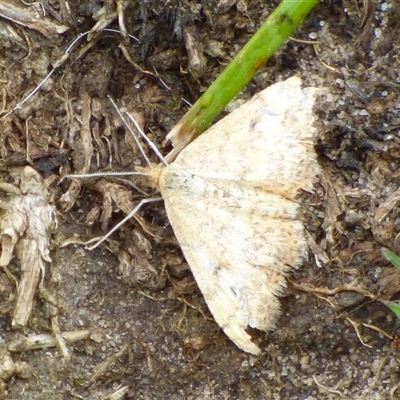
{"x":19,"y":343}
{"x":25,"y":227}
{"x":9,"y":367}
{"x":26,"y":17}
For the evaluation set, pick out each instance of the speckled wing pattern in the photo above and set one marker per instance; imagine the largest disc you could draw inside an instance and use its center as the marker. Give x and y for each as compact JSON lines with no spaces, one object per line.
{"x":231,"y":199}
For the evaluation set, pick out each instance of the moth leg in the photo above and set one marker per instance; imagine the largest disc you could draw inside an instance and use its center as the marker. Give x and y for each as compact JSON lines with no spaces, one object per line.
{"x":128,"y":217}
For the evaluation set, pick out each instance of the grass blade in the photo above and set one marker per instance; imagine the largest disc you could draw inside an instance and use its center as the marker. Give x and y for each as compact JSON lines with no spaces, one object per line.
{"x":395,"y":260}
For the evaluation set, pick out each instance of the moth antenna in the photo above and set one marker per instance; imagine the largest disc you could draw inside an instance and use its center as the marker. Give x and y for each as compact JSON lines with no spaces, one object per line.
{"x":128,"y":217}
{"x":100,"y":175}
{"x":148,"y":141}
{"x":117,"y":109}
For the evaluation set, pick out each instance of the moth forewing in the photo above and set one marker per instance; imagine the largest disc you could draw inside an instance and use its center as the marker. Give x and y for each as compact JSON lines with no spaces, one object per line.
{"x":231,"y":199}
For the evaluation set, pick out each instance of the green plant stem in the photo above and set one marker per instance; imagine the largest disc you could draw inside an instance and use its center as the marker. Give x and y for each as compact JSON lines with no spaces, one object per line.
{"x":281,"y":23}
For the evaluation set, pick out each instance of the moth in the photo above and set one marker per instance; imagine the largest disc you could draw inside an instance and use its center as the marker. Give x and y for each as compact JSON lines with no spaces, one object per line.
{"x":230,"y":197}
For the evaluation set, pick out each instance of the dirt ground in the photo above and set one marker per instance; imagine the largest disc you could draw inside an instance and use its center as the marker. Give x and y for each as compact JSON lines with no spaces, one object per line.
{"x":146,"y":332}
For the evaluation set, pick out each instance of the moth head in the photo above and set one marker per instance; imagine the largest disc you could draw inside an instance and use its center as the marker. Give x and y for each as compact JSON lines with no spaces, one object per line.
{"x":150,"y":176}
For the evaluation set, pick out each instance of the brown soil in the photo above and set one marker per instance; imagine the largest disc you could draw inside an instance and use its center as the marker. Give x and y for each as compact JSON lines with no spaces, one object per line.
{"x":135,"y":297}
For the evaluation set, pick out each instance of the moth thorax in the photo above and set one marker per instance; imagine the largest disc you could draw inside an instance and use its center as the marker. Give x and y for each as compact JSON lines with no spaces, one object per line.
{"x":151,"y":175}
